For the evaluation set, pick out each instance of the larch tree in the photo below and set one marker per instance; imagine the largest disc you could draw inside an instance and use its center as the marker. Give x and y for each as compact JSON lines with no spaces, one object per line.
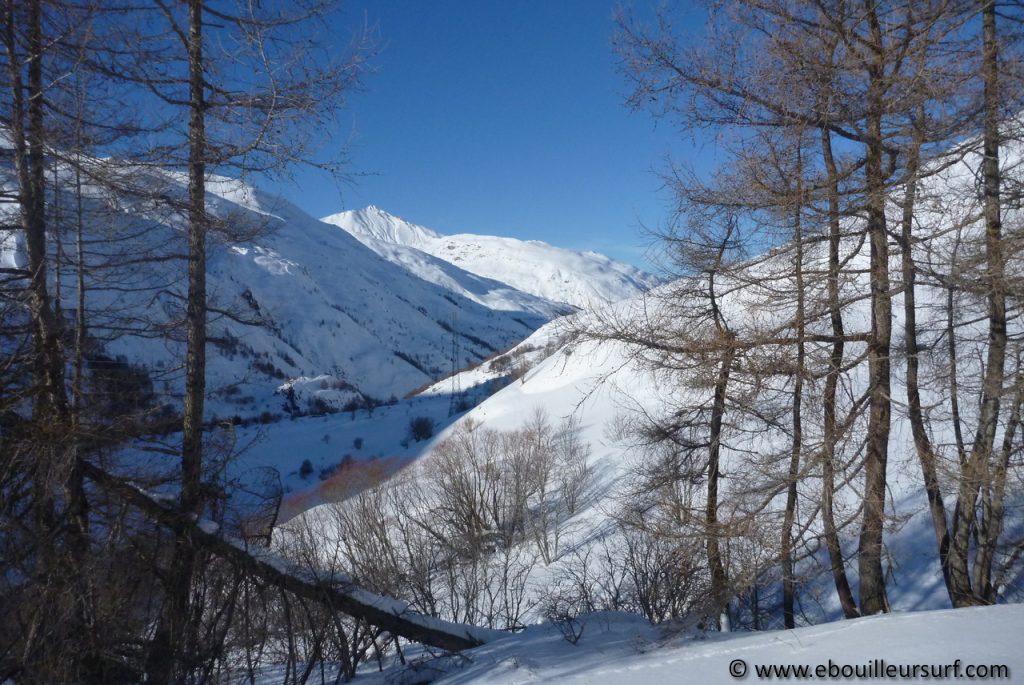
{"x":857,"y":72}
{"x":249,"y":104}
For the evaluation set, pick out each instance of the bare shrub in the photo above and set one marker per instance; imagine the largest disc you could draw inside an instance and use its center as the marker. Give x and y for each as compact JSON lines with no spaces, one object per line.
{"x":460,"y":534}
{"x":421,"y":428}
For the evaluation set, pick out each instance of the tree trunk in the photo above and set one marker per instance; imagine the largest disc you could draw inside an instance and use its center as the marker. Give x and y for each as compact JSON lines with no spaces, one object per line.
{"x":195,"y":316}
{"x":715,"y":563}
{"x":58,"y":499}
{"x":951,"y":350}
{"x":79,"y":359}
{"x":993,"y":506}
{"x":831,"y":427}
{"x":788,"y":564}
{"x":922,"y":443}
{"x":873,"y":598}
{"x":175,"y":638}
{"x":975,"y":471}
{"x":50,"y":401}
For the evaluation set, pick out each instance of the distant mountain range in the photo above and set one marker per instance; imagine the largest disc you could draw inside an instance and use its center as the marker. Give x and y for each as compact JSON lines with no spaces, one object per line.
{"x":342,"y":320}
{"x":579,"y":279}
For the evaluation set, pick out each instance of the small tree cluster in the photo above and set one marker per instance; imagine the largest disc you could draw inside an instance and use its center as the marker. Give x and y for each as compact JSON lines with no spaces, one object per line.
{"x":421,"y":428}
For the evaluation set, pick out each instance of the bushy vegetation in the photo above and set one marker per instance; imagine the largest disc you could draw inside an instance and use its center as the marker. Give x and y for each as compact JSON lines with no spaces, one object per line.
{"x":461,"y":533}
{"x":421,"y":428}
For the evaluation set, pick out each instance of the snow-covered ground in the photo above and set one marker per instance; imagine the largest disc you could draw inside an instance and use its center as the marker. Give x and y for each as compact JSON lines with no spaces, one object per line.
{"x":620,"y":649}
{"x":580,"y":279}
{"x":368,"y":444}
{"x":933,"y":646}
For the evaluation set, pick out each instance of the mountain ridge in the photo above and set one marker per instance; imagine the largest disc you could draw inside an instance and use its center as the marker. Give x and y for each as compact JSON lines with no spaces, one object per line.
{"x":293,"y":299}
{"x":581,"y":279}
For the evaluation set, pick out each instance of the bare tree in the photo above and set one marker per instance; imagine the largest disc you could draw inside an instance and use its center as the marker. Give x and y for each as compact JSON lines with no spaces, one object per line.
{"x":853,"y":71}
{"x":984,"y":467}
{"x":51,"y":50}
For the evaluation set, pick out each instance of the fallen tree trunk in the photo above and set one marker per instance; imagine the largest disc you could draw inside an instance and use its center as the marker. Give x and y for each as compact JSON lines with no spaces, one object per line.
{"x":332,"y":589}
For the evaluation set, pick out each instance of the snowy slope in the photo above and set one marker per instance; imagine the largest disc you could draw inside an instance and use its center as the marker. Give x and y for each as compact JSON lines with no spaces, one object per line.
{"x":345,"y":322}
{"x":485,"y":291}
{"x":606,"y":385}
{"x":944,"y":645}
{"x":364,"y":438}
{"x":609,"y":385}
{"x":610,"y":388}
{"x":978,"y":644}
{"x":580,"y":279}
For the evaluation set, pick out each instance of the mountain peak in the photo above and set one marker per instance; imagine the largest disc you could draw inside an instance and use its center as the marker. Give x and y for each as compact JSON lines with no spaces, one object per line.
{"x":373,"y":222}
{"x":580,"y":279}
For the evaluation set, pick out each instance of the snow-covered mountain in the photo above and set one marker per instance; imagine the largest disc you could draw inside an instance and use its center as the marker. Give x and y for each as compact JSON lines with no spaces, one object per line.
{"x":488,"y":292}
{"x":337,"y":322}
{"x":580,"y":279}
{"x":615,"y":390}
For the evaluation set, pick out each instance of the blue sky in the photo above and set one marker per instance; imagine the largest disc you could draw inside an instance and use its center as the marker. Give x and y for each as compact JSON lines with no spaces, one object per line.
{"x":500,"y":117}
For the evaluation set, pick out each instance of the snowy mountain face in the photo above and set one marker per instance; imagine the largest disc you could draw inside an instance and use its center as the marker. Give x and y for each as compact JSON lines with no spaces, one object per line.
{"x":302,"y":309}
{"x":610,"y":389}
{"x":613,"y":389}
{"x":579,"y":279}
